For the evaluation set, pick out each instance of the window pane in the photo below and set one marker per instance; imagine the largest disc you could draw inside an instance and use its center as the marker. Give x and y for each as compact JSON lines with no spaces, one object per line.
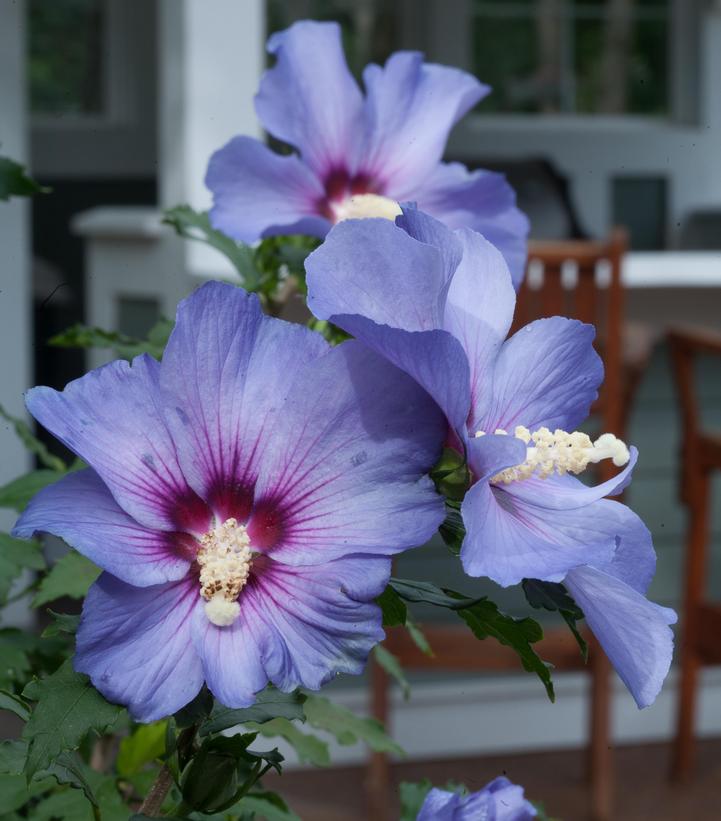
{"x":506,"y":57}
{"x":65,"y":56}
{"x":585,"y":56}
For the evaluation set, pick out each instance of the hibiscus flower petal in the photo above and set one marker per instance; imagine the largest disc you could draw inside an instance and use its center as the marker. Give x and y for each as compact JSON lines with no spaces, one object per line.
{"x":567,"y":492}
{"x":373,"y":268}
{"x":478,"y":312}
{"x":113,"y":419}
{"x":135,"y":644}
{"x":309,"y":98}
{"x":233,"y":655}
{"x":482,"y":201}
{"x":298,"y":626}
{"x":324,"y":619}
{"x":81,"y":510}
{"x":258,"y":193}
{"x":377,"y":282}
{"x":344,"y":469}
{"x":547,"y":374}
{"x":225,"y":368}
{"x":508,"y":539}
{"x":435,"y":359}
{"x":489,"y":455}
{"x":633,"y":631}
{"x":411,"y":107}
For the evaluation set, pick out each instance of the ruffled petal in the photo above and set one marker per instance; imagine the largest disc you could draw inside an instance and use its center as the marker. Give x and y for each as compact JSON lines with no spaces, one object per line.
{"x":567,"y":492}
{"x":547,"y":374}
{"x":344,"y":469}
{"x":633,"y":631}
{"x":113,"y":419}
{"x":377,"y":282}
{"x":633,"y":561}
{"x":135,"y":644}
{"x":508,"y":539}
{"x":478,"y":312}
{"x":225,"y":369}
{"x":375,"y":269}
{"x":507,"y":800}
{"x":441,"y":805}
{"x":258,"y":193}
{"x":411,"y":107}
{"x":323,"y":619}
{"x":435,"y":359}
{"x":480,"y":200}
{"x":232,"y":656}
{"x":298,"y":626}
{"x":432,"y":232}
{"x":489,"y":455}
{"x":309,"y":98}
{"x":81,"y":510}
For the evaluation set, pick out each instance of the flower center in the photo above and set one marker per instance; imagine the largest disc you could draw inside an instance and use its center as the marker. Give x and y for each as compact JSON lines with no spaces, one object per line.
{"x":559,"y":452}
{"x":225,"y":561}
{"x":361,"y":206}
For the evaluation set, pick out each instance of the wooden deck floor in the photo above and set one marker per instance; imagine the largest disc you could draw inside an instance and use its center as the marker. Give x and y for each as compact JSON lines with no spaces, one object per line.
{"x":555,"y":778}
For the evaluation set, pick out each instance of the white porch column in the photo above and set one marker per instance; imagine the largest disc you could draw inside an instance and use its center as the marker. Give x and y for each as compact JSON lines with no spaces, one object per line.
{"x":15,"y":289}
{"x":210,"y":56}
{"x":211,"y":53}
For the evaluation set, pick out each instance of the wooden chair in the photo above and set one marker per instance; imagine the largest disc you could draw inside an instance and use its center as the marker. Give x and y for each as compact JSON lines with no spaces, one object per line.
{"x":582,"y":296}
{"x":700,"y":456}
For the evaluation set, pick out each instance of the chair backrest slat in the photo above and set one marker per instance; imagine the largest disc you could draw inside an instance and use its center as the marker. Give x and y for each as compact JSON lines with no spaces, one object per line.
{"x":586,"y":295}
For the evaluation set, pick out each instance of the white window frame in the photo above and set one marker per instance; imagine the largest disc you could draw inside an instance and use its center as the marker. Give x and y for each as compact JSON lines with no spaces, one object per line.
{"x":121,"y":140}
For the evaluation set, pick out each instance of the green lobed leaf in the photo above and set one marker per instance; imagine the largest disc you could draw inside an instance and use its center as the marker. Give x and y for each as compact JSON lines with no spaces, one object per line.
{"x":26,"y":553}
{"x":267,"y":805}
{"x":486,"y":620}
{"x":309,"y":748}
{"x":270,"y":704}
{"x":222,"y":771}
{"x":412,"y":797}
{"x":12,"y":756}
{"x":14,"y":704}
{"x":14,"y":661}
{"x":452,"y":529}
{"x":71,"y":576}
{"x":145,"y":744}
{"x":68,"y":707}
{"x":392,"y":666}
{"x":394,"y":608}
{"x":70,"y":769}
{"x":15,"y":181}
{"x":196,"y":711}
{"x":32,"y":443}
{"x":17,"y":494}
{"x":428,"y":593}
{"x":63,"y":624}
{"x":13,"y":793}
{"x":348,"y":728}
{"x":17,"y":555}
{"x":419,"y":638}
{"x":127,"y":347}
{"x":555,"y":598}
{"x":195,"y":225}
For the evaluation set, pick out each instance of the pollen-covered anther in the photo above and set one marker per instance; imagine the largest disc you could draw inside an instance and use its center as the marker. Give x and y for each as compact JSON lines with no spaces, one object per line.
{"x":225,"y":559}
{"x":363,"y":206}
{"x":560,"y":452}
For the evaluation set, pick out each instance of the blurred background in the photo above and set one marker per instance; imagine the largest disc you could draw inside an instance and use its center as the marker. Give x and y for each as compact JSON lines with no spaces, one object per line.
{"x":604,"y":113}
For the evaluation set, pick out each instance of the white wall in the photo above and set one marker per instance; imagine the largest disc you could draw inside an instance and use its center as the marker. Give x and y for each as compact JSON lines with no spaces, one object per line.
{"x":14,"y":242}
{"x":593,"y":150}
